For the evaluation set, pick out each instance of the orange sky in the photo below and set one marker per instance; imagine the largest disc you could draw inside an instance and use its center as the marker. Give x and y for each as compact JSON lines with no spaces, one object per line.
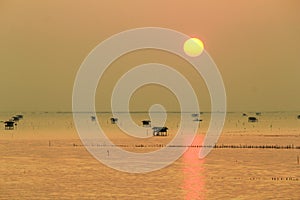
{"x":255,"y":44}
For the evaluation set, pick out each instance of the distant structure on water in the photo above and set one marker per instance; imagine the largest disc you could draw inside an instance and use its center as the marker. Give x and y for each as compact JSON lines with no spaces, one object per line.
{"x":9,"y":125}
{"x":146,"y":123}
{"x":15,"y":119}
{"x":195,"y":115}
{"x":12,"y":122}
{"x":298,"y":117}
{"x":160,"y":131}
{"x":197,"y":120}
{"x":113,"y":120}
{"x":19,"y":116}
{"x":93,"y":118}
{"x":258,"y":113}
{"x":244,"y":114}
{"x":252,"y":119}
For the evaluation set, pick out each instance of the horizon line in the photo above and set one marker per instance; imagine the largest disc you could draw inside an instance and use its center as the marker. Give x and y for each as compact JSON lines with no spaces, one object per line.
{"x":139,"y":111}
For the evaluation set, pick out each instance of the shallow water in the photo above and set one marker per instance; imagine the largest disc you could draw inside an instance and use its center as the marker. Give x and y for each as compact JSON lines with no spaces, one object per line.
{"x":43,"y":158}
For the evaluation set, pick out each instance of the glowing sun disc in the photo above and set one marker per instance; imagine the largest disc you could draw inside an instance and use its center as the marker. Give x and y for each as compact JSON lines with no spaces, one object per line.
{"x":193,"y":47}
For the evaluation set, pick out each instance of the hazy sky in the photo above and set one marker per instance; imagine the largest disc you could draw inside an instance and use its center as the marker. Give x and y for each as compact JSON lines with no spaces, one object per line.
{"x":256,"y":45}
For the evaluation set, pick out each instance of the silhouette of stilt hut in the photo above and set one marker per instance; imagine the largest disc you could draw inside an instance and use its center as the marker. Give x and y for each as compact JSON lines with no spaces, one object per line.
{"x":20,"y":116}
{"x":9,"y":125}
{"x":113,"y":120}
{"x":93,"y":118}
{"x":160,"y":131}
{"x":195,"y":115}
{"x":15,"y":119}
{"x":146,"y":123}
{"x":252,"y":119}
{"x":197,"y":120}
{"x":244,"y":114}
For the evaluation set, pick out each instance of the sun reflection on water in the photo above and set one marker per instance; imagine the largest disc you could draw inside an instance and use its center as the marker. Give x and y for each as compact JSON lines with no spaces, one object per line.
{"x":193,"y":171}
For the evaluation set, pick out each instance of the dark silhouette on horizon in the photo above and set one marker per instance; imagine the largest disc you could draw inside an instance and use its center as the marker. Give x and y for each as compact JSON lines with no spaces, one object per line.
{"x":113,"y":120}
{"x":160,"y":131}
{"x":146,"y":123}
{"x":252,"y":119}
{"x":93,"y":118}
{"x":12,"y":122}
{"x":9,"y":125}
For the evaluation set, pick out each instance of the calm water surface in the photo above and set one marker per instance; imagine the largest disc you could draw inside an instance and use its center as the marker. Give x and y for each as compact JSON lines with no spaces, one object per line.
{"x":43,"y":158}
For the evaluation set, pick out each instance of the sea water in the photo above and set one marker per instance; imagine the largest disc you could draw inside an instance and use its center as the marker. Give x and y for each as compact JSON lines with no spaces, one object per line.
{"x":44,"y":158}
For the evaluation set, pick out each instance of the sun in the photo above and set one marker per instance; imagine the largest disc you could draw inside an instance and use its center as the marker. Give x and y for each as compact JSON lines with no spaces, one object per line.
{"x":193,"y":47}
